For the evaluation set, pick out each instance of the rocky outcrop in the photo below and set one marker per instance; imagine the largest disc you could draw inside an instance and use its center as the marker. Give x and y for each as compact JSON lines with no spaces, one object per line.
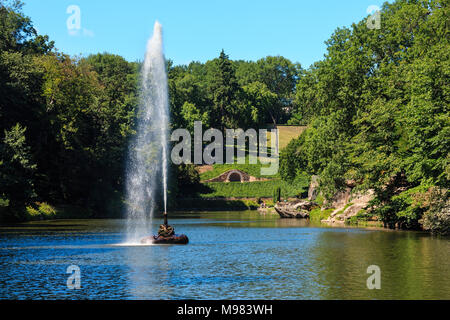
{"x":297,"y":209}
{"x":348,"y":205}
{"x":313,"y":190}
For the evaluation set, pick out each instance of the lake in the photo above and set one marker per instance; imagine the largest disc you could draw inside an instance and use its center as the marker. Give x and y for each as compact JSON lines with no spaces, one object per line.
{"x":231,"y":255}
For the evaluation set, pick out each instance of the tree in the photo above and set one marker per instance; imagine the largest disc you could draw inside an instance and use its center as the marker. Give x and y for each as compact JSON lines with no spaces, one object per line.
{"x":376,"y":108}
{"x":17,"y":32}
{"x":16,"y":168}
{"x":190,"y":114}
{"x":224,"y":88}
{"x":263,"y":102}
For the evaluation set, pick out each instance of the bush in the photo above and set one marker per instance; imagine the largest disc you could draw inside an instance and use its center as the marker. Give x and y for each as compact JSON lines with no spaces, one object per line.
{"x":437,"y":216}
{"x":402,"y":211}
{"x":361,"y":217}
{"x":47,"y":210}
{"x":318,"y":214}
{"x":277,"y":195}
{"x":32,"y":213}
{"x":43,"y":211}
{"x":187,"y":175}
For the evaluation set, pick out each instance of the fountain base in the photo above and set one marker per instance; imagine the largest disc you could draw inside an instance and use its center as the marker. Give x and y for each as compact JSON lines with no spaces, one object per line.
{"x":166,"y":235}
{"x":175,"y":239}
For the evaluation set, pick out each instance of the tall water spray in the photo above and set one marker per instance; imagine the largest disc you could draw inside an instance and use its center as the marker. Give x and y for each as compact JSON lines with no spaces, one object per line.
{"x":147,"y":166}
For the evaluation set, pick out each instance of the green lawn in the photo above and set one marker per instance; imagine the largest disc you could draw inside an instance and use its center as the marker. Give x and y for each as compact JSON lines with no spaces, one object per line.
{"x":286,"y":134}
{"x":263,"y":189}
{"x":252,"y":169}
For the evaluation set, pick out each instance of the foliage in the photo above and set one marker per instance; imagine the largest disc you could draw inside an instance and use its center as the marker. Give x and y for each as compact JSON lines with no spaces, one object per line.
{"x":33,"y":214}
{"x":16,"y":168}
{"x":436,"y":205}
{"x":318,"y":214}
{"x":377,"y":110}
{"x":187,"y":176}
{"x":234,"y":94}
{"x":74,"y":118}
{"x":277,"y":195}
{"x":40,"y":211}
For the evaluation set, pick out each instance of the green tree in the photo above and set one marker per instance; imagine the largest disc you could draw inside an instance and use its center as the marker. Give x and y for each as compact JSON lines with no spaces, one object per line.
{"x":376,"y":108}
{"x":190,"y":114}
{"x":225,"y":89}
{"x":16,"y":168}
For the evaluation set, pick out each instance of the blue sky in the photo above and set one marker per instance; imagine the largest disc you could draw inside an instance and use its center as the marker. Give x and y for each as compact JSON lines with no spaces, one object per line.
{"x":197,"y":30}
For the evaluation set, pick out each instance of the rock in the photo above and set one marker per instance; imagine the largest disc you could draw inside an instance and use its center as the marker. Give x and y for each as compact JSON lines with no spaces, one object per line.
{"x":303,"y":205}
{"x":296,"y":209}
{"x":313,"y":190}
{"x":344,"y":211}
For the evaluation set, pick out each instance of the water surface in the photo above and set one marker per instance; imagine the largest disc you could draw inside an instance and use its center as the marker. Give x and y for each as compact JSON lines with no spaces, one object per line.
{"x":234,"y":255}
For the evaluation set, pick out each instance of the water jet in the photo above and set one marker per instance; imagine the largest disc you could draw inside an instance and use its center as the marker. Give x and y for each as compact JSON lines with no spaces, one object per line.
{"x":147,"y":171}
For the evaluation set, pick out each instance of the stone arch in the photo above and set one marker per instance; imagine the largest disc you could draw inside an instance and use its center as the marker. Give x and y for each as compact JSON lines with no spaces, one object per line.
{"x":235,"y":176}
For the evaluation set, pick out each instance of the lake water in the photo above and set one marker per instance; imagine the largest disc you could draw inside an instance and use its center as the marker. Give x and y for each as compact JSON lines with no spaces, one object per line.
{"x":234,"y":255}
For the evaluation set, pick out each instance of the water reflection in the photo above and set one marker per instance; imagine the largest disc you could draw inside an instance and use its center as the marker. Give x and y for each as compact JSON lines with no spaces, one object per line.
{"x":148,"y":272}
{"x":413,"y":266}
{"x":230,"y":256}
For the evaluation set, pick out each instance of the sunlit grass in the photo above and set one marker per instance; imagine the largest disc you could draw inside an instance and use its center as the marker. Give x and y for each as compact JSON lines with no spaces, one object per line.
{"x":263,"y":189}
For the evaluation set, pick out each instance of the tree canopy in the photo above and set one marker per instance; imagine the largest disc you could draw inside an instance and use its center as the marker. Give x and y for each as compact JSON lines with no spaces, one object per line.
{"x":377,"y":107}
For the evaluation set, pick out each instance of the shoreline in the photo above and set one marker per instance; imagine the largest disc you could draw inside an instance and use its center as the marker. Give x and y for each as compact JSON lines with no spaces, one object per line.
{"x":191,"y":205}
{"x":314,"y":223}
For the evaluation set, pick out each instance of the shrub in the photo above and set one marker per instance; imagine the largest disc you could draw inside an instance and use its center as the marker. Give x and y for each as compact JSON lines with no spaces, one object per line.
{"x":47,"y":210}
{"x":32,"y":213}
{"x":277,"y":195}
{"x":436,"y":218}
{"x":187,"y":175}
{"x":361,"y":216}
{"x":43,"y":211}
{"x":402,"y":211}
{"x":318,"y":214}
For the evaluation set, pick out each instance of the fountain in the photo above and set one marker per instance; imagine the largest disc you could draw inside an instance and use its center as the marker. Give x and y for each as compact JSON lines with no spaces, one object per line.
{"x":148,"y":159}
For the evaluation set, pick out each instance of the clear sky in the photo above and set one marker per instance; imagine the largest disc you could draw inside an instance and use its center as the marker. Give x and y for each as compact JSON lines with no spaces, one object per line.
{"x":197,"y":30}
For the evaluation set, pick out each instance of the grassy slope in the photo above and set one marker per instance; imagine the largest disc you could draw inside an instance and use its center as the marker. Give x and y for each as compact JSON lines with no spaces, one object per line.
{"x":252,"y":169}
{"x":286,"y":135}
{"x":253,"y":189}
